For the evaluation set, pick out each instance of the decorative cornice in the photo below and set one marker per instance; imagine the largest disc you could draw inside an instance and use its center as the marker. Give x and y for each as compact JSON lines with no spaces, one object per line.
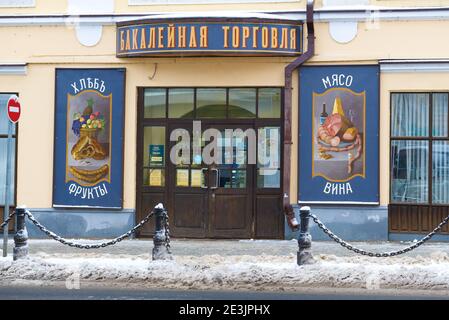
{"x":321,"y":15}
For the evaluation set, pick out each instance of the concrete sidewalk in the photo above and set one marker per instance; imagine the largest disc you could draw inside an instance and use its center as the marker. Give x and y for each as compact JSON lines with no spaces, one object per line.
{"x":188,"y":247}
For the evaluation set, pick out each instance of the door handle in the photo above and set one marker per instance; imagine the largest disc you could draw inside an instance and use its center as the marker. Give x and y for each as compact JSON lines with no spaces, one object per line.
{"x":203,"y":170}
{"x":217,"y":179}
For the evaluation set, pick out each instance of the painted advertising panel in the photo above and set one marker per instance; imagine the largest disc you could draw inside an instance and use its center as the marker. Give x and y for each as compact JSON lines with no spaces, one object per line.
{"x":339,"y":134}
{"x":88,"y":167}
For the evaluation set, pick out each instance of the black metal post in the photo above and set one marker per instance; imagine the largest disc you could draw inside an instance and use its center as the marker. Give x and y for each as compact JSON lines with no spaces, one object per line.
{"x":304,"y":239}
{"x":21,"y":237}
{"x":160,"y":250}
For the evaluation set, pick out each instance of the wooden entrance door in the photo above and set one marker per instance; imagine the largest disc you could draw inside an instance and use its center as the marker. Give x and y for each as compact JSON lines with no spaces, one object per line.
{"x":207,"y":198}
{"x":187,"y":186}
{"x":231,"y":187}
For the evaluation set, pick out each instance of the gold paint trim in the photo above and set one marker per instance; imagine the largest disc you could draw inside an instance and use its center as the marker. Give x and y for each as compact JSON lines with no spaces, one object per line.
{"x":230,"y":51}
{"x":293,"y":24}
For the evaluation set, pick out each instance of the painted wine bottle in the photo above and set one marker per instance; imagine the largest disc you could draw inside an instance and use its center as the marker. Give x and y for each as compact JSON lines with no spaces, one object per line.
{"x":323,"y":114}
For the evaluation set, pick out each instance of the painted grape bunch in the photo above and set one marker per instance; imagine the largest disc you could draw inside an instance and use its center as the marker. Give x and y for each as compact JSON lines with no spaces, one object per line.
{"x":88,"y":119}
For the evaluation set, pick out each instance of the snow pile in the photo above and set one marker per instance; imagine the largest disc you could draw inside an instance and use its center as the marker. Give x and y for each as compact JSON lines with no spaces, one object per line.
{"x":264,"y":272}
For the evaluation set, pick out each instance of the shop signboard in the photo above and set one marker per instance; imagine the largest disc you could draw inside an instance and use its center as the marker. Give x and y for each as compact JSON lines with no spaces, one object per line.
{"x":209,"y":37}
{"x":339,"y":134}
{"x":88,"y":150}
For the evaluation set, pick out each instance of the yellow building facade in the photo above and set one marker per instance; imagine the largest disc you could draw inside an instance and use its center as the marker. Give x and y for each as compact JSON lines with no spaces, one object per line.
{"x":404,"y":38}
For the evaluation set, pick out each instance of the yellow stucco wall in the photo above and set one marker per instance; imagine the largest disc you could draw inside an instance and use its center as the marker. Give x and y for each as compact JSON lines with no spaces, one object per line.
{"x":392,"y":40}
{"x":36,"y":127}
{"x":45,"y":48}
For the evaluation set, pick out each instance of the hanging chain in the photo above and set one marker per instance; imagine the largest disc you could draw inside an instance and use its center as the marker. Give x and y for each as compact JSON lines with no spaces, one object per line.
{"x":375,"y":254}
{"x":167,"y":231}
{"x":7,"y":220}
{"x":54,"y":236}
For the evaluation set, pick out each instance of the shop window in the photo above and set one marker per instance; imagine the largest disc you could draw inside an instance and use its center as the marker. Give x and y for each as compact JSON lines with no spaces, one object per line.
{"x":440,"y":172}
{"x":181,"y":103}
{"x":154,"y":103}
{"x":211,"y":103}
{"x":154,"y":153}
{"x":440,"y":115}
{"x":419,"y":148}
{"x":410,"y":115}
{"x":242,"y":103}
{"x":4,"y":122}
{"x":269,"y":102}
{"x":410,"y":171}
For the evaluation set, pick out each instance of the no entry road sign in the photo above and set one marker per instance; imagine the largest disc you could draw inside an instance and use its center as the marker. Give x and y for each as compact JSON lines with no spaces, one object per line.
{"x":13,"y":108}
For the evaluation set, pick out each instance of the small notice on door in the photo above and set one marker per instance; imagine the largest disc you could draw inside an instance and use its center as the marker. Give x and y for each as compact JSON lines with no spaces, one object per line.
{"x":156,"y":177}
{"x":182,"y":177}
{"x":156,"y":154}
{"x":196,"y":178}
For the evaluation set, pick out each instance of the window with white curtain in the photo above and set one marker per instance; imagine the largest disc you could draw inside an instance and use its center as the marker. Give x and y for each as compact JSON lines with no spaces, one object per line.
{"x":3,"y":148}
{"x":420,"y":148}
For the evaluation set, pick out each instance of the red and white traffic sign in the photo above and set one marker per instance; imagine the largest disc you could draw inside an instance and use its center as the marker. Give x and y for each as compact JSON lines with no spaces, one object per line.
{"x":13,"y":108}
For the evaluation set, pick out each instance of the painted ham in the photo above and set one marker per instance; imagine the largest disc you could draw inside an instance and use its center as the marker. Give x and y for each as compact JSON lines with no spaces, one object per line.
{"x":333,"y":129}
{"x":336,"y":124}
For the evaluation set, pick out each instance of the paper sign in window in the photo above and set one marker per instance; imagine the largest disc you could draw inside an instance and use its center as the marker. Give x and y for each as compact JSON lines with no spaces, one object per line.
{"x":156,"y":177}
{"x":196,"y":178}
{"x":182,"y":177}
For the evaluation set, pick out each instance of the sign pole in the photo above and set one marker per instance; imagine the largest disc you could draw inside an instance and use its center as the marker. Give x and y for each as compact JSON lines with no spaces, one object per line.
{"x":7,"y":190}
{"x":13,"y":111}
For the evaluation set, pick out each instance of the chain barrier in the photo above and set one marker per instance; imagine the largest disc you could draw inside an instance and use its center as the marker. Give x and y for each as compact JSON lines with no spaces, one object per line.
{"x":167,"y":232}
{"x":375,"y":254}
{"x":54,"y":236}
{"x":7,"y":220}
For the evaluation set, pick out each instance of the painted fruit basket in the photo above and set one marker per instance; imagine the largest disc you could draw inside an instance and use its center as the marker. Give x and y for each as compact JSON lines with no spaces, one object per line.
{"x":89,"y":132}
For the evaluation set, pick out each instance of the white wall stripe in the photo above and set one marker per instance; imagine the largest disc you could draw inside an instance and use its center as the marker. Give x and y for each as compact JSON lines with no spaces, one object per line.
{"x":400,"y":67}
{"x":17,"y":3}
{"x":13,"y":69}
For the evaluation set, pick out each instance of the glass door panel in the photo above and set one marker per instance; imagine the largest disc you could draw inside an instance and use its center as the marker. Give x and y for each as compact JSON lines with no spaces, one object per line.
{"x":154,"y":152}
{"x":233,"y":165}
{"x":269,"y":158}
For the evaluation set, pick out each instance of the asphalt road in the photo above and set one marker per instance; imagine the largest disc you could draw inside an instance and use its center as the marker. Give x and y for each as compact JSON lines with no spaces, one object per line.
{"x":114,"y":293}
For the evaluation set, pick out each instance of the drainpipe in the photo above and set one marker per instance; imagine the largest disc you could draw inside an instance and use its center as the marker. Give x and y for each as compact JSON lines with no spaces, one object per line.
{"x":288,"y":209}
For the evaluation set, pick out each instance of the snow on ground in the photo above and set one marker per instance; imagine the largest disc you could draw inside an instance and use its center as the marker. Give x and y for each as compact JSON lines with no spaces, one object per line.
{"x":242,"y":272}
